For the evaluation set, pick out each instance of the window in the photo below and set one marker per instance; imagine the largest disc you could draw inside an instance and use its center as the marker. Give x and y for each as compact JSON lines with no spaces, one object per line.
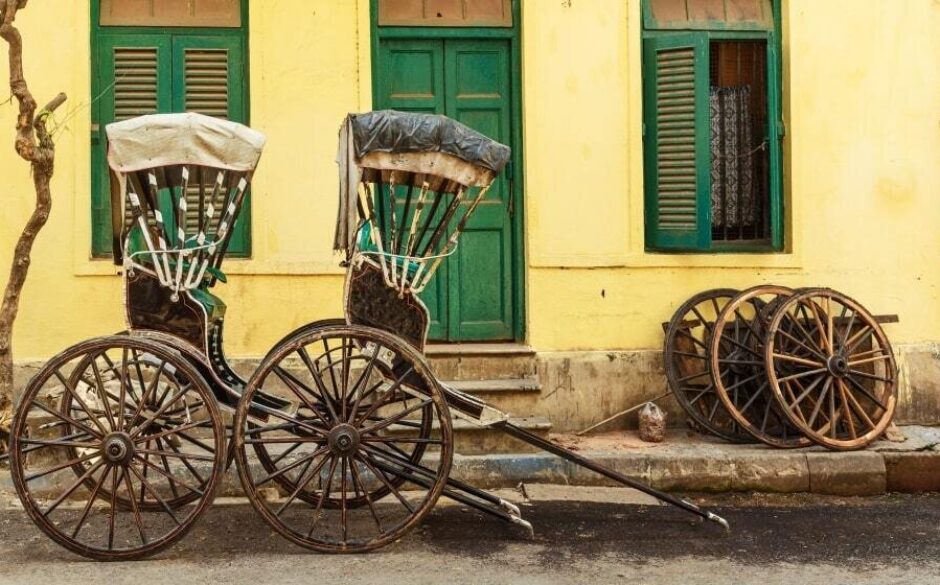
{"x":712,"y":126}
{"x":143,"y":65}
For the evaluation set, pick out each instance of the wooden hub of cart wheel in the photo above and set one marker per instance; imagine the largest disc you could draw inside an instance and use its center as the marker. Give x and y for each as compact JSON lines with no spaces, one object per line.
{"x":132,"y":456}
{"x":831,"y":369}
{"x":738,"y":370}
{"x":685,"y":355}
{"x":360,"y":464}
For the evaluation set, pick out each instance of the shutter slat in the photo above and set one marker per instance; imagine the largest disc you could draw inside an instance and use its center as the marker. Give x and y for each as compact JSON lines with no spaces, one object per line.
{"x":676,"y":197}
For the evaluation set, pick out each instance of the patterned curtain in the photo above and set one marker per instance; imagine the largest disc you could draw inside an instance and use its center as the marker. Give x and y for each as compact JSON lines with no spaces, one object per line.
{"x":733,"y":195}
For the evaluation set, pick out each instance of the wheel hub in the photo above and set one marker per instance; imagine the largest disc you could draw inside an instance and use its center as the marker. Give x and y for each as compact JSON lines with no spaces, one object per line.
{"x":118,"y":448}
{"x":738,"y":368}
{"x":343,"y":439}
{"x":838,"y":365}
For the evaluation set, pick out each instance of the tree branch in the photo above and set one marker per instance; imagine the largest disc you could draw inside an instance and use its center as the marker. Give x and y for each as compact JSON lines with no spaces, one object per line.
{"x":35,"y":145}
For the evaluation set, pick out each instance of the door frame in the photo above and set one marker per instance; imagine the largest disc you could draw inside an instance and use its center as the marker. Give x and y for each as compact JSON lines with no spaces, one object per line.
{"x":514,"y":37}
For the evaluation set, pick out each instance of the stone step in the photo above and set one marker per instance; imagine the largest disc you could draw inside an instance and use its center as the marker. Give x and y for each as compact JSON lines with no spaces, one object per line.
{"x":482,"y":361}
{"x":471,"y":439}
{"x":514,"y":396}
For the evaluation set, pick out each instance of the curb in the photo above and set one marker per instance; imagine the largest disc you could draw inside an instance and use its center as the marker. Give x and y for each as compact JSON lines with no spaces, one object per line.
{"x":700,"y":465}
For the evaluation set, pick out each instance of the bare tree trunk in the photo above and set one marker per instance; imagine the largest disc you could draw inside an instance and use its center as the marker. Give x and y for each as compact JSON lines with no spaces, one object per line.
{"x":34,"y":144}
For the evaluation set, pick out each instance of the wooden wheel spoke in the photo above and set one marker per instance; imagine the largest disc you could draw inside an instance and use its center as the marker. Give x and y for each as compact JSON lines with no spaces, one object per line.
{"x":692,"y":338}
{"x":176,"y":455}
{"x":295,"y":386}
{"x":159,"y":412}
{"x":189,"y":466}
{"x":122,"y":390}
{"x":685,"y":379}
{"x":857,"y":339}
{"x":393,"y":389}
{"x":857,"y":408}
{"x":741,"y":382}
{"x":113,"y":509}
{"x":798,"y":360}
{"x":800,"y":343}
{"x":867,"y":393}
{"x":81,"y":403}
{"x":850,"y":423}
{"x":60,"y":466}
{"x":366,"y":457}
{"x":105,"y":399}
{"x":194,"y":441}
{"x":357,"y":481}
{"x":868,"y":376}
{"x":128,"y":485}
{"x":799,"y":375}
{"x":323,"y":495}
{"x":148,"y":390}
{"x":804,"y":392}
{"x":171,"y":479}
{"x":71,"y":489}
{"x":91,"y":500}
{"x":290,"y":466}
{"x":302,"y":480}
{"x":827,"y":386}
{"x":363,"y":376}
{"x":699,"y":394}
{"x":395,"y":418}
{"x":66,"y":418}
{"x":146,"y":437}
{"x":146,"y":486}
{"x":405,"y":440}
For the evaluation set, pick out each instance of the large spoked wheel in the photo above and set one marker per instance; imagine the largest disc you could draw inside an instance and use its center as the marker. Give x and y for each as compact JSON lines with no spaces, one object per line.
{"x":90,"y":470}
{"x":686,"y":364}
{"x":832,"y":370}
{"x":94,"y":371}
{"x":359,"y":463}
{"x":738,"y":370}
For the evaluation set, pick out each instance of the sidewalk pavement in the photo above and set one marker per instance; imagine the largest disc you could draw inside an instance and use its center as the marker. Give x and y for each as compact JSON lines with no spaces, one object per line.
{"x":689,"y":462}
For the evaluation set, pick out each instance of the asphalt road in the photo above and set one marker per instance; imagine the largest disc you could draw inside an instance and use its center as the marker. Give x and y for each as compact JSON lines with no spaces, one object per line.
{"x":783,"y":539}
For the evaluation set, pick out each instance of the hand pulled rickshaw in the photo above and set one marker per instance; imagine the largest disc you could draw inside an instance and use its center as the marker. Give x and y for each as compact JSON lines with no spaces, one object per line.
{"x":343,"y":436}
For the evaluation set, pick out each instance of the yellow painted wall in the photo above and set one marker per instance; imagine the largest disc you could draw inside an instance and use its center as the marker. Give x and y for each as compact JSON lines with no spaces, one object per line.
{"x":862,"y":93}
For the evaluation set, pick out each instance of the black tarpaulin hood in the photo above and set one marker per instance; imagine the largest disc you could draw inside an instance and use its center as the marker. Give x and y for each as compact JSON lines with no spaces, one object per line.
{"x":393,"y":131}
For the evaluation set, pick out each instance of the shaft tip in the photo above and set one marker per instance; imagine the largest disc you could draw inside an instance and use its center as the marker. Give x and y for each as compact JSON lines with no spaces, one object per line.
{"x":719,"y":520}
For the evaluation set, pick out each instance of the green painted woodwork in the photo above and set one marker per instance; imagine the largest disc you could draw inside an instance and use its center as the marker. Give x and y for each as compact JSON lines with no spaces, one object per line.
{"x":143,"y":70}
{"x":677,"y":157}
{"x":662,"y":124}
{"x":472,"y":296}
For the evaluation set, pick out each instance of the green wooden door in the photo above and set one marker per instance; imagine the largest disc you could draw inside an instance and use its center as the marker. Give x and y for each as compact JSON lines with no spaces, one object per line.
{"x":470,"y":80}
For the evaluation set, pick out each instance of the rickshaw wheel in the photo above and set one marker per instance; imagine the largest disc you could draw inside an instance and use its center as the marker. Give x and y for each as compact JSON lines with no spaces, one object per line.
{"x":84,"y":379}
{"x":353,"y":443}
{"x":738,"y":370}
{"x":686,"y":363}
{"x":269,"y":462}
{"x":831,"y":369}
{"x":123,"y":513}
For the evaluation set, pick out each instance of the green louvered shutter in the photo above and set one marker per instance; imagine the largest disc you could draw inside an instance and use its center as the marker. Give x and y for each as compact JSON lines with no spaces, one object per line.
{"x":208,"y":78}
{"x":135,"y":72}
{"x":676,"y":142}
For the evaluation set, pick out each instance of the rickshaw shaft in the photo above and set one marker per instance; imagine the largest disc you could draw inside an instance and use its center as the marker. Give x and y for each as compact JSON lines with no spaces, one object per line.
{"x":536,"y":441}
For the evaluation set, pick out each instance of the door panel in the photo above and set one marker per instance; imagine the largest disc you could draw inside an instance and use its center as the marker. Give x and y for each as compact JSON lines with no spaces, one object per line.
{"x":470,"y":297}
{"x":478,"y":81}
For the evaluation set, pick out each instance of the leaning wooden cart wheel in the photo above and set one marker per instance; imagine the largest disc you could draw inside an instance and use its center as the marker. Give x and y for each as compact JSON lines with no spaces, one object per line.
{"x":355,"y":441}
{"x":736,"y":363}
{"x":831,"y":369}
{"x":119,"y":508}
{"x":686,"y":364}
